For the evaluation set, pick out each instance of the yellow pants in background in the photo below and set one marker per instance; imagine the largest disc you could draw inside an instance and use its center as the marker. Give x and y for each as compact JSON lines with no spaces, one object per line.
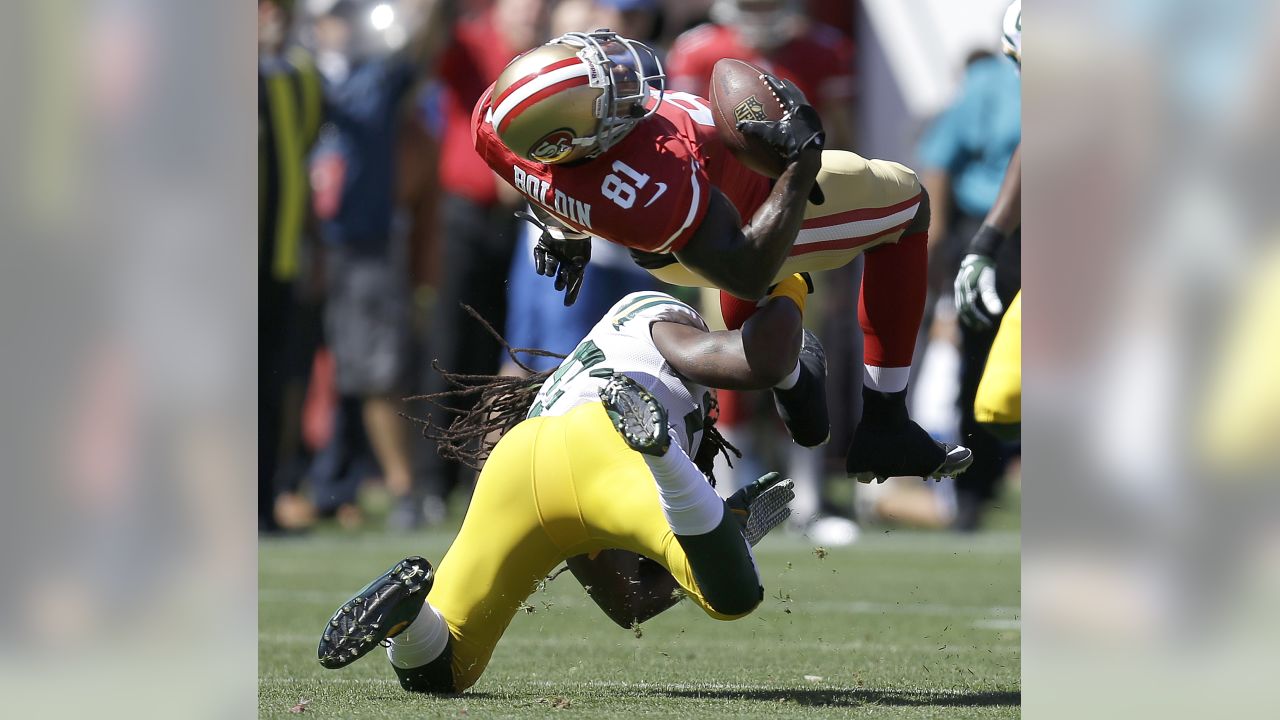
{"x":999,"y":398}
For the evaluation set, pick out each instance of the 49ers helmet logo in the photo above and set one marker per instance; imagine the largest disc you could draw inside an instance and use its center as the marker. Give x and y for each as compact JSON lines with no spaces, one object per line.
{"x":553,"y":146}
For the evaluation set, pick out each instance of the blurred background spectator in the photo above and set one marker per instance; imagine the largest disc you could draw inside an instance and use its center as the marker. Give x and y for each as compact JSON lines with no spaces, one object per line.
{"x":289,"y":114}
{"x":963,"y":157}
{"x":641,"y":20}
{"x":778,"y":36}
{"x":368,"y":73}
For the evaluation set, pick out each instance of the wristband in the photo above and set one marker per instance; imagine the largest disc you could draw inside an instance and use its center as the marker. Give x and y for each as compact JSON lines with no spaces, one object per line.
{"x":795,"y":288}
{"x":986,"y":241}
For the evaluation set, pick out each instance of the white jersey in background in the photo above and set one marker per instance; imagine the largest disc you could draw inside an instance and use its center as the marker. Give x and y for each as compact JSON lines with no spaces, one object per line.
{"x":621,"y":343}
{"x":1011,"y":43}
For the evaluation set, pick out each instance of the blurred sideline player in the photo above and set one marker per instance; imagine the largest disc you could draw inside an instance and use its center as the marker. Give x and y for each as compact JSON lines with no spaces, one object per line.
{"x":777,"y":36}
{"x":964,"y":156}
{"x":998,"y":404}
{"x":605,"y":463}
{"x":583,"y":131}
{"x":290,"y":112}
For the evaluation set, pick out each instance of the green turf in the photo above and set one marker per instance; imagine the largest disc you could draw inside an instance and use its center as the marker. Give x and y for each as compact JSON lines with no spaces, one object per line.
{"x":901,"y":625}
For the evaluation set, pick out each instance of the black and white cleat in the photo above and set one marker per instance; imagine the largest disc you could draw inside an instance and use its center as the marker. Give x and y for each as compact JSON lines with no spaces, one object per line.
{"x":959,"y":458}
{"x":380,"y":611}
{"x":637,"y":415}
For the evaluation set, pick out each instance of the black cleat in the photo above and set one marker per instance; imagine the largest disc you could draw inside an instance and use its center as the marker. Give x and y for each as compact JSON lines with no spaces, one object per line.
{"x":803,"y":406}
{"x":380,"y":611}
{"x":888,"y":444}
{"x":637,"y":415}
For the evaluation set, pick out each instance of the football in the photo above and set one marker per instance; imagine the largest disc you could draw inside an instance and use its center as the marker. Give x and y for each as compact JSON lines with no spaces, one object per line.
{"x":737,"y":93}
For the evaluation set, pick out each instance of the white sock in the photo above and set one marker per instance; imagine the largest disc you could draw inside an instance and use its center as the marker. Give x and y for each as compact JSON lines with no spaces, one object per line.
{"x":421,"y":642}
{"x":886,"y":380}
{"x":791,"y":379}
{"x":689,"y":503}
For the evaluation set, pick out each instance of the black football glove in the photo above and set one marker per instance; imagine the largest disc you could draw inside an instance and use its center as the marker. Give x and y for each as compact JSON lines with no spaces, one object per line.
{"x":561,"y":253}
{"x":799,"y":129}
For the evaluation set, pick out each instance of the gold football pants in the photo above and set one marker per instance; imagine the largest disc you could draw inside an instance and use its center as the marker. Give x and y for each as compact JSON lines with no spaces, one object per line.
{"x":554,"y":487}
{"x":999,"y":398}
{"x":868,"y":203}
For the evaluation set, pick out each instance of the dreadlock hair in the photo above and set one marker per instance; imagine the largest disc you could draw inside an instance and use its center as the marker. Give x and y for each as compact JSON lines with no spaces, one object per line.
{"x":494,"y":403}
{"x":713,"y":443}
{"x":497,"y":403}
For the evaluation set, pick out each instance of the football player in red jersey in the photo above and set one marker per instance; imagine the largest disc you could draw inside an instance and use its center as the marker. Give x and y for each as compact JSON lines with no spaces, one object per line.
{"x":580,"y":128}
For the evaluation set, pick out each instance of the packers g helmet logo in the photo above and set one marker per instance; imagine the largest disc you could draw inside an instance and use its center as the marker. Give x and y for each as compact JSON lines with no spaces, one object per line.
{"x":749,"y":109}
{"x":553,"y":146}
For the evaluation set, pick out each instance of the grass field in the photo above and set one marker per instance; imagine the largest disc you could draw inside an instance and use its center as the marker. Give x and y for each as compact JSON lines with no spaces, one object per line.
{"x":901,"y":625}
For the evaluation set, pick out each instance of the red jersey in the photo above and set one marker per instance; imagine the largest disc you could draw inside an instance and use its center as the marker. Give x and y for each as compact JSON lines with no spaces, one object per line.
{"x":474,"y":58}
{"x":649,"y":192}
{"x":819,"y":61}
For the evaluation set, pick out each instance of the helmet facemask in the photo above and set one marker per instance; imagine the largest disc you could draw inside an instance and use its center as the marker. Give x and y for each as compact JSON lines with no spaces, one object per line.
{"x":617,"y":67}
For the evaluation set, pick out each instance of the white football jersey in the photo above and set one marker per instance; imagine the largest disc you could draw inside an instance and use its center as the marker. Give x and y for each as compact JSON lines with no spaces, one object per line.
{"x":621,"y":343}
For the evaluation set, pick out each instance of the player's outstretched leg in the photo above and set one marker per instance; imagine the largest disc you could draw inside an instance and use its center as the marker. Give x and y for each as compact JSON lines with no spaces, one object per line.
{"x":380,"y":611}
{"x":803,"y":406}
{"x":887,"y":443}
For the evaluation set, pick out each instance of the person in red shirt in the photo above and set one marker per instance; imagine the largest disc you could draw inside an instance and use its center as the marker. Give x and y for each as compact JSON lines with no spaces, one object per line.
{"x":776,"y":36}
{"x":478,"y":231}
{"x":584,"y":132}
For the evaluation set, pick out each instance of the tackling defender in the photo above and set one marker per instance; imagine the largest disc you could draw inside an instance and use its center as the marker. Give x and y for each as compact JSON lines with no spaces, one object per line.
{"x":596,"y":469}
{"x":601,"y":149}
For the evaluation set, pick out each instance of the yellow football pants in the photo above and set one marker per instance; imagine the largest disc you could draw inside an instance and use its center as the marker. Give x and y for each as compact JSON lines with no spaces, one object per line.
{"x":868,"y":203}
{"x":999,"y":398}
{"x":553,"y":488}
